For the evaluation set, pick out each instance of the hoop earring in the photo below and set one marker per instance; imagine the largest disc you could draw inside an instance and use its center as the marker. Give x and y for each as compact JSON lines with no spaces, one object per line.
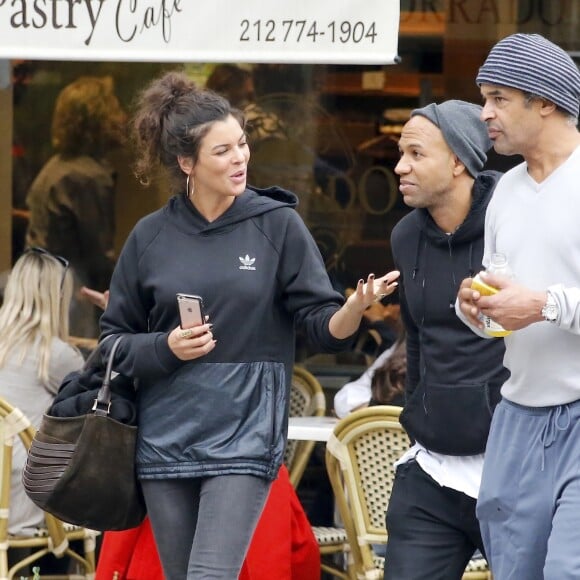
{"x":189,"y":193}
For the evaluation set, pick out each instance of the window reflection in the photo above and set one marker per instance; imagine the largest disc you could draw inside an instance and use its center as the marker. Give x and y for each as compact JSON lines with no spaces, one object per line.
{"x":328,"y":133}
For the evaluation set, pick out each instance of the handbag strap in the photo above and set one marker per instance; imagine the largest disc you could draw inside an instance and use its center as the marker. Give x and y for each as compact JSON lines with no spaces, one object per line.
{"x":102,"y":404}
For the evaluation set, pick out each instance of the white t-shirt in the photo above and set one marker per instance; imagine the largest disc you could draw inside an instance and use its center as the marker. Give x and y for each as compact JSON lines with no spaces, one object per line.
{"x":459,"y":473}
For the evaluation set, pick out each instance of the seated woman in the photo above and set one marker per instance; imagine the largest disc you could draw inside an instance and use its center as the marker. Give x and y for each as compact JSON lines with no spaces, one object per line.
{"x":388,"y":381}
{"x":381,"y":384}
{"x":34,"y":357}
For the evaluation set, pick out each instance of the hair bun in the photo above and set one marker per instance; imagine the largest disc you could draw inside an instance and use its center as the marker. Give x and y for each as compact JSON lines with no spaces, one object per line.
{"x":173,"y":87}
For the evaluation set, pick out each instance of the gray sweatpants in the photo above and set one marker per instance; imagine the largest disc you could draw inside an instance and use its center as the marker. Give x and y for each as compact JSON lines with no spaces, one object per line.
{"x":529,"y":503}
{"x":203,"y":526}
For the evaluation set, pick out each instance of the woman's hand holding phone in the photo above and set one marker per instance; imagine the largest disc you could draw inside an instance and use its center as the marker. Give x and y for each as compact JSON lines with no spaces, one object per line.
{"x":191,"y":343}
{"x":192,"y":338}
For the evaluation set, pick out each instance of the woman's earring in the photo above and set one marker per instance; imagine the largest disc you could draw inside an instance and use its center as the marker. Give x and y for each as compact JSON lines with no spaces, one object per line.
{"x":189,"y":193}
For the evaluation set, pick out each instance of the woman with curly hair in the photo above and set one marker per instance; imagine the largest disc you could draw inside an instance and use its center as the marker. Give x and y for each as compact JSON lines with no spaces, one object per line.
{"x":213,"y":399}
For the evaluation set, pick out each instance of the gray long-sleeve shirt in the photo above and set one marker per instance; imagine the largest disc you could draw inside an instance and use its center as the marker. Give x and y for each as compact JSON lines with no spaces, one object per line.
{"x":536,"y":226}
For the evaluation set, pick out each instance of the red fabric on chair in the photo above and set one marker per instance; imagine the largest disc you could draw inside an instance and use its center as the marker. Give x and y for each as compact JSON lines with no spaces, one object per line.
{"x":283,"y":546}
{"x":132,"y":554}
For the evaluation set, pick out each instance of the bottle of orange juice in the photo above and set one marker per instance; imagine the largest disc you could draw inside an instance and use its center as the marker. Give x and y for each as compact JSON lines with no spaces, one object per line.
{"x":497,"y":265}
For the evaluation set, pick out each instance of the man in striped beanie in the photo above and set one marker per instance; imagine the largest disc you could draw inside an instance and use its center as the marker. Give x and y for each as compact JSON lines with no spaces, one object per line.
{"x":533,"y":64}
{"x":530,"y":492}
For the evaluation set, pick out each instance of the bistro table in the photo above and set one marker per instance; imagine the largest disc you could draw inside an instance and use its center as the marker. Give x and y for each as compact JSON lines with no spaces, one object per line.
{"x":311,"y":428}
{"x":332,"y":376}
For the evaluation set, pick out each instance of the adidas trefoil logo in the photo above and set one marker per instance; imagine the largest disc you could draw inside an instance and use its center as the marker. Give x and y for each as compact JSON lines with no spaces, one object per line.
{"x":247,"y":263}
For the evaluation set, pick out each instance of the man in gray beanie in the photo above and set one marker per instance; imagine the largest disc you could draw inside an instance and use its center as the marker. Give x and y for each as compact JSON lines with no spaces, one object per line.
{"x":530,"y":492}
{"x":453,"y":376}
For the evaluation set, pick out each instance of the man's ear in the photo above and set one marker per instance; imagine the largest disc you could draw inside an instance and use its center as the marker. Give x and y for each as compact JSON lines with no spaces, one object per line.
{"x":546,"y":107}
{"x":185,"y":163}
{"x":458,"y":167}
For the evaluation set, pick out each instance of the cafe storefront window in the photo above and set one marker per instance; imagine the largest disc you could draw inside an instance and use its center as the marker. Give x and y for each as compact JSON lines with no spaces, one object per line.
{"x":339,"y":124}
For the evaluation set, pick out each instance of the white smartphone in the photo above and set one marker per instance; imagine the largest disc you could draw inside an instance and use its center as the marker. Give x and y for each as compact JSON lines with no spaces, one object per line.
{"x":190,"y":309}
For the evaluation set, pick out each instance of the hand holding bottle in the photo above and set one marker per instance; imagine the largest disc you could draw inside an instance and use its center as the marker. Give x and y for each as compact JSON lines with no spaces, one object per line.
{"x":499,"y":266}
{"x":513,"y":306}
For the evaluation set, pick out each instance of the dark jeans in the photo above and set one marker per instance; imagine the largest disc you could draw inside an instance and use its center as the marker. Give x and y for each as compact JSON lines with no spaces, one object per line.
{"x":433,"y":530}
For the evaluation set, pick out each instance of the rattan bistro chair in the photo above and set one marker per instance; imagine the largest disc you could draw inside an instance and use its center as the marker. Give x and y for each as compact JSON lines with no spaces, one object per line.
{"x":360,"y":457}
{"x":359,"y":460}
{"x":477,"y":569}
{"x":55,"y":536}
{"x":306,"y":400}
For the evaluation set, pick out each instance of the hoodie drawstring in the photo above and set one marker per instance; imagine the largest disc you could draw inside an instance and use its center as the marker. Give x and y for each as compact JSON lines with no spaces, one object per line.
{"x":417,"y":253}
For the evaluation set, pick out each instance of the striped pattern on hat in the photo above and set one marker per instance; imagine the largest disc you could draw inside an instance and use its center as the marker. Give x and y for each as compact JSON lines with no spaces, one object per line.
{"x":533,"y":64}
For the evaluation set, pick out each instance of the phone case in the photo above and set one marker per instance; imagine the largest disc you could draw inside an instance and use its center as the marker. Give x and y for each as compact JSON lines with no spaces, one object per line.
{"x":190,"y":309}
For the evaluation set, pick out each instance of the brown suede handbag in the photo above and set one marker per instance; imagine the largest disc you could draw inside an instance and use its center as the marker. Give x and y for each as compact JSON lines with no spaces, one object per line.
{"x":81,"y":468}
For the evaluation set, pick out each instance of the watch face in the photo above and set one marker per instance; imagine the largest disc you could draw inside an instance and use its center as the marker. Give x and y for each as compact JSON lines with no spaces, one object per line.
{"x":550,"y":312}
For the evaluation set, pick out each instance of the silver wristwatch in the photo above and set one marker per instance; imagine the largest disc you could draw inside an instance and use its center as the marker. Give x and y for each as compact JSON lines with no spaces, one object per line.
{"x":550,"y":311}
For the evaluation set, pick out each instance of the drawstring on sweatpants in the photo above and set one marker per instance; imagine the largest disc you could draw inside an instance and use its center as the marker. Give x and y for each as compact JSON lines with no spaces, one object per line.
{"x":552,"y":425}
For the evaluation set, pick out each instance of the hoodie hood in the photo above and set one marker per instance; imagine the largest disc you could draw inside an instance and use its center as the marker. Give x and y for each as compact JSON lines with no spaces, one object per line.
{"x":253,"y":202}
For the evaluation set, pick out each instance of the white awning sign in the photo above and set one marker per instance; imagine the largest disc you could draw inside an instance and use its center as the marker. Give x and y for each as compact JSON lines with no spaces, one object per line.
{"x":284,"y":31}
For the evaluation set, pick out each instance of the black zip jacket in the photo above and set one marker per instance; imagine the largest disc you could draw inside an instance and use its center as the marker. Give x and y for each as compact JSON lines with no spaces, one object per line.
{"x":453,"y":376}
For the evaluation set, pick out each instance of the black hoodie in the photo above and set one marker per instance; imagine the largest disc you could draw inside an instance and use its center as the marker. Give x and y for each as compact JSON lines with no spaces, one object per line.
{"x":453,"y":376}
{"x":259,"y":272}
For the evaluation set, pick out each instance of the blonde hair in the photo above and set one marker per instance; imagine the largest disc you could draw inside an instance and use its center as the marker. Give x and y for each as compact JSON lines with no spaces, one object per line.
{"x":36,"y":307}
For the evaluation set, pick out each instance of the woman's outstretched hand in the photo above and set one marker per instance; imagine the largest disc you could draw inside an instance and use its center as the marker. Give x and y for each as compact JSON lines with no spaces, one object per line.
{"x":345,"y":322}
{"x":374,"y":290}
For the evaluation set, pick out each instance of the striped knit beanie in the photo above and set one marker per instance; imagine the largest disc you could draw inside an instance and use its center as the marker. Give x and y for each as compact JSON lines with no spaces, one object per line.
{"x":533,"y":64}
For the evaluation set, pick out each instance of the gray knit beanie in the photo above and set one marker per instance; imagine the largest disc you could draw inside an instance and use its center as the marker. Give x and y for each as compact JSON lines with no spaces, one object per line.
{"x":463,"y":130}
{"x":533,"y":64}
